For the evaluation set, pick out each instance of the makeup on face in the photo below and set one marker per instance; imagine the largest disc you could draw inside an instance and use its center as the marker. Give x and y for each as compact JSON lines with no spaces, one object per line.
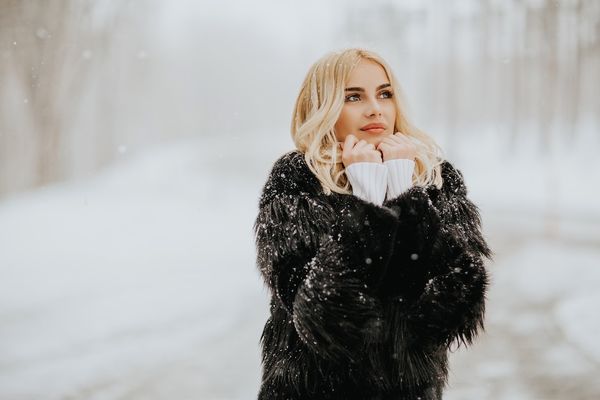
{"x":369,"y":111}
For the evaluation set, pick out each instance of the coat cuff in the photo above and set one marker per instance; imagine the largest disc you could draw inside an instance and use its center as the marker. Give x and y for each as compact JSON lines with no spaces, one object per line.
{"x":368,"y":181}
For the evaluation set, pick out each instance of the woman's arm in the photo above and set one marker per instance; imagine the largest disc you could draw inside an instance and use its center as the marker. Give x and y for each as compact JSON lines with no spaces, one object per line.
{"x":322,"y":263}
{"x":438,"y":265}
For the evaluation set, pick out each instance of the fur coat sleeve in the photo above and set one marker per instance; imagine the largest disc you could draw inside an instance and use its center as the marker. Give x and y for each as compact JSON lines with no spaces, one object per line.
{"x":438,"y":267}
{"x":333,"y":262}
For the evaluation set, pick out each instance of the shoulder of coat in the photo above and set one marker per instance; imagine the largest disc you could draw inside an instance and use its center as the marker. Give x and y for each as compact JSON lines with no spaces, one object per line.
{"x":452,"y":178}
{"x":290,"y":175}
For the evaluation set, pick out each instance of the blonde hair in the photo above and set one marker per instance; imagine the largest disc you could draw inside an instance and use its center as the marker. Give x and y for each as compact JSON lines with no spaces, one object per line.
{"x":318,"y":107}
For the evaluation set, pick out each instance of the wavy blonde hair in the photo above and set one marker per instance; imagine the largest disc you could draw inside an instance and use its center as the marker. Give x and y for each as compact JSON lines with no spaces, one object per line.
{"x":318,"y":107}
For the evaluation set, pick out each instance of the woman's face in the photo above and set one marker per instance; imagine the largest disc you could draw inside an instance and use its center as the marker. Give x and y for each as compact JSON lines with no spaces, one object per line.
{"x":369,"y":112}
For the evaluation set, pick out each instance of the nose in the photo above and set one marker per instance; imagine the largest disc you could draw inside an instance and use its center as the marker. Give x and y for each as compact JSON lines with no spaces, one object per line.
{"x":373,"y":108}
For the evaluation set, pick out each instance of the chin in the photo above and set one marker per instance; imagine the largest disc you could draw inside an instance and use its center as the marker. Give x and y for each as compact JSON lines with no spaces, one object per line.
{"x":374,"y":139}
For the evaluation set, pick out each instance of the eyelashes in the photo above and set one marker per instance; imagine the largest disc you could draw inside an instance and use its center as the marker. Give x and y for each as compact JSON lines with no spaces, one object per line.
{"x":387,"y":94}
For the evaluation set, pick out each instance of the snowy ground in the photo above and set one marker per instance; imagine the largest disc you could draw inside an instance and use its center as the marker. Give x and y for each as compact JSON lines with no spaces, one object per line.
{"x":140,"y":283}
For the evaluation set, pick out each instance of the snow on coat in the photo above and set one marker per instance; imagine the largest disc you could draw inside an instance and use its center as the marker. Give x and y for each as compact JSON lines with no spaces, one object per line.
{"x":366,"y":299}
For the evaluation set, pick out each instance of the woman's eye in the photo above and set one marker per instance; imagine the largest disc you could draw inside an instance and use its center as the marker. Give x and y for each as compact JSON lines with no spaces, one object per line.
{"x":387,"y":94}
{"x":352,"y":97}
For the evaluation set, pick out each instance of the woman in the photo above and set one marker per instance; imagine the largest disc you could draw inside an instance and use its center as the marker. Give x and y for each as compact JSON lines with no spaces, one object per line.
{"x":371,"y":250}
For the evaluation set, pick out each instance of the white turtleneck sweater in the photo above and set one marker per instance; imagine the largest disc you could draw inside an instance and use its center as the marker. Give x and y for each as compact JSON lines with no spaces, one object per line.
{"x":374,"y":182}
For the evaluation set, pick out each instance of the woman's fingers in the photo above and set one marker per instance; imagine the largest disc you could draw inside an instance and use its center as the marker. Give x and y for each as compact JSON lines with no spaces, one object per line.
{"x":359,"y":144}
{"x":391,"y":147}
{"x":389,"y":140}
{"x":348,"y":145}
{"x":383,"y":145}
{"x":362,"y":144}
{"x":354,"y":150}
{"x":400,"y":138}
{"x":397,"y":146}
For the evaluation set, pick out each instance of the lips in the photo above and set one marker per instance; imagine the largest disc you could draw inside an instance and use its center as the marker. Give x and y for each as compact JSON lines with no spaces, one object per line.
{"x":373,"y":128}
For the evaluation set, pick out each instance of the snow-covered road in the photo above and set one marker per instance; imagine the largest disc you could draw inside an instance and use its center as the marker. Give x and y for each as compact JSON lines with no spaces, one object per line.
{"x":140,"y":284}
{"x":542,"y":322}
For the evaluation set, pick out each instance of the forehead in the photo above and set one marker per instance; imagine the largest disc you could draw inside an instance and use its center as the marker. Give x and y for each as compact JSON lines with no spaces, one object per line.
{"x":367,"y":73}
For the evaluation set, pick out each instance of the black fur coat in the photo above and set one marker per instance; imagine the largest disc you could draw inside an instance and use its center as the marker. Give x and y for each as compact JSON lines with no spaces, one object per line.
{"x":366,"y":299}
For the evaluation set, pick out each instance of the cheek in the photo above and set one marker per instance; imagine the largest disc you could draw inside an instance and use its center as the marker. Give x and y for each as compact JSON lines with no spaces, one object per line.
{"x":339,"y":129}
{"x":343,"y":122}
{"x":391,"y":111}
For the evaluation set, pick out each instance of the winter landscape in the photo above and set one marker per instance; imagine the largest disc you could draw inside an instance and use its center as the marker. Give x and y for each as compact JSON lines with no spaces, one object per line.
{"x":141,"y":284}
{"x":133,"y":275}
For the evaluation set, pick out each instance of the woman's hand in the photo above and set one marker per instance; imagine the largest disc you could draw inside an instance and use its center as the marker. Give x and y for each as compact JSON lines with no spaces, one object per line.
{"x":354,"y":151}
{"x":397,"y":146}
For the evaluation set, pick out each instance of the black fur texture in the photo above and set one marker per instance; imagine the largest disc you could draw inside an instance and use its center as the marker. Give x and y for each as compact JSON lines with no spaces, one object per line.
{"x":366,"y":299}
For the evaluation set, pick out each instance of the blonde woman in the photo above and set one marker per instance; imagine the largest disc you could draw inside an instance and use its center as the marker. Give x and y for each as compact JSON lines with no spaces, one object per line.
{"x":372,"y":252}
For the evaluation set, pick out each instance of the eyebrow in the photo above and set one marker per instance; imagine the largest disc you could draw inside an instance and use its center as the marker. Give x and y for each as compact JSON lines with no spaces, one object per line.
{"x":359,"y":89}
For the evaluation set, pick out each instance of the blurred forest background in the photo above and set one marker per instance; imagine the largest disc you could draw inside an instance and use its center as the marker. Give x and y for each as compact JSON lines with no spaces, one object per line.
{"x":136,"y":135}
{"x":85,"y":82}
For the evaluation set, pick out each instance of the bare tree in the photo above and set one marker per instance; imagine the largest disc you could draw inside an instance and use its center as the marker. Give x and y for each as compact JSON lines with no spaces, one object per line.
{"x":52,"y":50}
{"x":39,"y":31}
